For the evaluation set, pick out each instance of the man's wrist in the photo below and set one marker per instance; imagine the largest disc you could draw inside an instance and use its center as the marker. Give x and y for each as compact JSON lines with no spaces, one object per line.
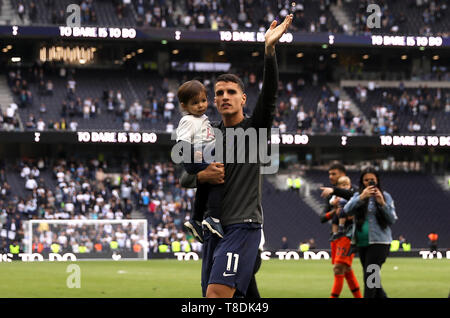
{"x":199,"y":177}
{"x":270,"y":50}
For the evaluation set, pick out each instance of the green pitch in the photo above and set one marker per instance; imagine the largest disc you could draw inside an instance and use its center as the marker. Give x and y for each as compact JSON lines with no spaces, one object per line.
{"x":401,"y":277}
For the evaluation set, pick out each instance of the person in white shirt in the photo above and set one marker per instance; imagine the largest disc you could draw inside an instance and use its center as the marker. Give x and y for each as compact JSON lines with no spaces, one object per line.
{"x":194,"y":130}
{"x":11,"y":110}
{"x":35,"y":172}
{"x":69,"y":207}
{"x":25,"y":172}
{"x":31,"y":184}
{"x":168,"y":109}
{"x":282,"y":127}
{"x":169,"y":127}
{"x":73,"y":125}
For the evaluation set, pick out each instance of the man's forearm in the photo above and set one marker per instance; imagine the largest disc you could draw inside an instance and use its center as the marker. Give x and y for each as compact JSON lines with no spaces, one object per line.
{"x":188,"y":180}
{"x":343,"y":193}
{"x":264,"y":111}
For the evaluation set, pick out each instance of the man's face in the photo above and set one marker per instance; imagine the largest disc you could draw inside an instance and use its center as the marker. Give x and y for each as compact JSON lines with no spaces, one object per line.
{"x":334,"y":175}
{"x":229,"y":98}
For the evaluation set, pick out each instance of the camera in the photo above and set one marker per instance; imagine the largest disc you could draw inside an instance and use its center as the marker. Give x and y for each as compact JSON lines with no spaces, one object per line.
{"x":372,"y":183}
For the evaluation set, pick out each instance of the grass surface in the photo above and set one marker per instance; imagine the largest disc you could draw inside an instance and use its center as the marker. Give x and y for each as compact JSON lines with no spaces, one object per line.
{"x":413,"y":278}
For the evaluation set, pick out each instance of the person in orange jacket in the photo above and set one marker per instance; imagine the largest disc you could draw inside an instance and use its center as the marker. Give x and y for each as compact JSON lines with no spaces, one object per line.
{"x":433,"y":237}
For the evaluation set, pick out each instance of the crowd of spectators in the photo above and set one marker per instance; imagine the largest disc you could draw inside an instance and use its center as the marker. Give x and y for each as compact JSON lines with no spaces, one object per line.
{"x":21,"y":84}
{"x":438,"y":73}
{"x":388,"y":21}
{"x":324,"y":115}
{"x":253,"y":15}
{"x":310,"y":15}
{"x":395,"y":106}
{"x":328,"y":114}
{"x":157,"y":106}
{"x":302,"y":107}
{"x":58,"y":15}
{"x":92,"y":190}
{"x":395,"y":18}
{"x":88,"y":238}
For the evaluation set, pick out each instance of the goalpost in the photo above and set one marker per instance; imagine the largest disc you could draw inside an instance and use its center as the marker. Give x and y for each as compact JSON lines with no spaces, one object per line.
{"x":89,"y":239}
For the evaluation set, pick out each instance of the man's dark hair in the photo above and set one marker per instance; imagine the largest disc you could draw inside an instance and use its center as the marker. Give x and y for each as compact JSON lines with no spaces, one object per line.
{"x":231,"y":78}
{"x":337,"y":166}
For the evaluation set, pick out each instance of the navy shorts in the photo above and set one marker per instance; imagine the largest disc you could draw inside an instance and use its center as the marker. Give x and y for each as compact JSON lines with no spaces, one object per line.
{"x":231,"y":260}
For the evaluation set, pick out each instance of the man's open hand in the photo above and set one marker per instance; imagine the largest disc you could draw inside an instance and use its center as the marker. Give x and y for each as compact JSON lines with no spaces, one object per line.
{"x":276,"y":32}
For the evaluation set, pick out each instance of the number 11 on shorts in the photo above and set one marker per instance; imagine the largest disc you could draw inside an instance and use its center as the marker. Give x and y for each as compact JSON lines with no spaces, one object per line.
{"x":230,"y":257}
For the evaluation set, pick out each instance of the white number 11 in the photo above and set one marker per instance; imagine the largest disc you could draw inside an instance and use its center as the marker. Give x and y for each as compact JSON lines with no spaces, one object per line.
{"x":230,"y":259}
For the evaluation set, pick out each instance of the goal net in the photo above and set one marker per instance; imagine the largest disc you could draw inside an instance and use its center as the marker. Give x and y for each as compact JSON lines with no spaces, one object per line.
{"x":89,"y":239}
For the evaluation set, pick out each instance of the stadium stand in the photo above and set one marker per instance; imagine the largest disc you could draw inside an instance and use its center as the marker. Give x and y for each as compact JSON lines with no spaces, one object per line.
{"x":298,"y":223}
{"x":405,"y":110}
{"x":92,"y":189}
{"x":114,"y":189}
{"x":106,"y":13}
{"x":311,"y":15}
{"x":141,"y":101}
{"x":404,"y":18}
{"x":55,"y":98}
{"x":416,"y":17}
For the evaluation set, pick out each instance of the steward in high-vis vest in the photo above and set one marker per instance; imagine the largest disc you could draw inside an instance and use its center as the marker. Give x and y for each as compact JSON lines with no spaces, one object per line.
{"x":297,"y":183}
{"x":176,"y":246}
{"x":163,"y":248}
{"x":113,"y":245}
{"x":304,"y":247}
{"x":406,"y":247}
{"x":55,"y":247}
{"x":14,"y":249}
{"x":289,"y":183}
{"x":395,"y":245}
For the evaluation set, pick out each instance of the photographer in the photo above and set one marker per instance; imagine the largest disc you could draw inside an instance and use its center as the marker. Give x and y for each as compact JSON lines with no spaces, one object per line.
{"x":374,"y":213}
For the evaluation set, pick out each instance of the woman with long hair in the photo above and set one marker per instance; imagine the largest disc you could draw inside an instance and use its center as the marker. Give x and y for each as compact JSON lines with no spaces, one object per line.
{"x":374,"y":213}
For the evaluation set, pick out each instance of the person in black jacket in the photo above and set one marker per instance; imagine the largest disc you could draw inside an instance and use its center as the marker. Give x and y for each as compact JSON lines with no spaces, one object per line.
{"x":341,"y":250}
{"x":190,"y":181}
{"x":334,"y":173}
{"x":224,"y":272}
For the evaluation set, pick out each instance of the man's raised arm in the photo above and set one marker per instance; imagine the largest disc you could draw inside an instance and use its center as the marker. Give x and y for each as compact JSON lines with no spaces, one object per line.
{"x":265,"y":107}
